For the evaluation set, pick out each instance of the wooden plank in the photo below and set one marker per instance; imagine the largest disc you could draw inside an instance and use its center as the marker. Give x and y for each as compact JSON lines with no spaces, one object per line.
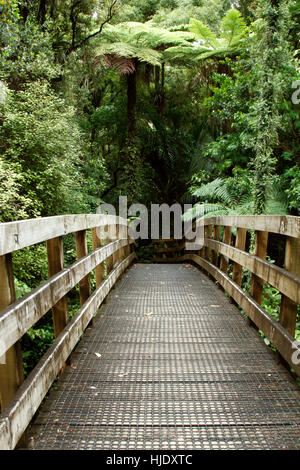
{"x":110,"y":259}
{"x":23,"y":233}
{"x":16,"y":319}
{"x":19,"y":413}
{"x":282,"y":224}
{"x":207,"y":234}
{"x":279,"y":278}
{"x":240,"y":243}
{"x":288,"y":308}
{"x":226,"y":239}
{"x":81,"y":252}
{"x":123,"y":236}
{"x":11,"y":370}
{"x":99,"y":270}
{"x":60,"y":313}
{"x":217,"y":238}
{"x":273,"y":330}
{"x":116,"y":255}
{"x":261,"y":244}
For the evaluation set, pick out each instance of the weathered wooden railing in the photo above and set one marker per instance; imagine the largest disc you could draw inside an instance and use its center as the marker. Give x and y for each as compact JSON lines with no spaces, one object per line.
{"x":20,"y":399}
{"x":217,"y":254}
{"x":167,"y":250}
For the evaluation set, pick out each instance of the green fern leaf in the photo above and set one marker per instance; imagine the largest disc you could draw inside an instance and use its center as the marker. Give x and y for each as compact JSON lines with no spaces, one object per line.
{"x":203,"y":32}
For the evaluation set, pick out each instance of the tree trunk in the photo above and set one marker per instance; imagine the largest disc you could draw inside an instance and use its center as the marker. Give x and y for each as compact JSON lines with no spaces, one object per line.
{"x":41,"y":17}
{"x":131,"y":104}
{"x":162,"y":100}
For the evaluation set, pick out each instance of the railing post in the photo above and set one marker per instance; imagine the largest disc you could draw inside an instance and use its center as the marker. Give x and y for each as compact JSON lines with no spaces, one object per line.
{"x":123,"y":236}
{"x":81,"y":251}
{"x":226,"y":239}
{"x":116,"y":254}
{"x":99,"y":270}
{"x":288,"y":309}
{"x":11,"y":372}
{"x":261,"y":244}
{"x":240,"y":243}
{"x":55,"y":265}
{"x":110,"y":259}
{"x":214,"y":256}
{"x":207,"y":234}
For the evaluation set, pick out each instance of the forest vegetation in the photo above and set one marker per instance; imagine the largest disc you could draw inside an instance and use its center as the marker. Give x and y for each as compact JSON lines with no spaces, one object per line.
{"x":164,"y":101}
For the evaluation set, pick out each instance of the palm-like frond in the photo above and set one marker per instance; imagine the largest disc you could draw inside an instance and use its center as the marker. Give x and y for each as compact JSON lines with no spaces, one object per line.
{"x":206,"y":210}
{"x":232,"y":203}
{"x":203,"y":33}
{"x":184,"y":53}
{"x":233,"y":27}
{"x":209,"y":45}
{"x":123,"y":49}
{"x":133,"y":40}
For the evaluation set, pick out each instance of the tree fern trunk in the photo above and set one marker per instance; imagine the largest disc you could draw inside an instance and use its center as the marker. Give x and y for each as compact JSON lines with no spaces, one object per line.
{"x":131,"y":104}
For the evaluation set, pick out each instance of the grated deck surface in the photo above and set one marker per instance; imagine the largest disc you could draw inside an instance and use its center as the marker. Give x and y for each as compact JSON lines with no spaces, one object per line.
{"x":170,"y":364}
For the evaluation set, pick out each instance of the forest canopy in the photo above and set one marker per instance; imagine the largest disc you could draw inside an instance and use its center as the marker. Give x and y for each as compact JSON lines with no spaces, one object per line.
{"x":154,"y":99}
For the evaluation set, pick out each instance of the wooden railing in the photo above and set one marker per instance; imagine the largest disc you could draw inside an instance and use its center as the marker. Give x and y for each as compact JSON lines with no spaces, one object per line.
{"x":167,"y":250}
{"x":218,"y":254}
{"x":20,"y":399}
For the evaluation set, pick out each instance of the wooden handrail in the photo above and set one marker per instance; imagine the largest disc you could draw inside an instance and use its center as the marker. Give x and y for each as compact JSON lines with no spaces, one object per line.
{"x":23,"y":233}
{"x":19,"y":401}
{"x":282,"y":224}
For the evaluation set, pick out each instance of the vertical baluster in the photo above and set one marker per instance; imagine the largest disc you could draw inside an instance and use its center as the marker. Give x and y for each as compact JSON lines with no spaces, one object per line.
{"x":202,"y":250}
{"x":55,"y":265}
{"x":110,"y":259}
{"x":240,"y":243}
{"x":81,"y":251}
{"x":11,"y":372}
{"x":208,"y":234}
{"x":214,"y":256}
{"x":226,"y":239}
{"x":122,"y":236}
{"x":288,"y":309}
{"x":261,"y":244}
{"x":97,"y":243}
{"x":116,"y":255}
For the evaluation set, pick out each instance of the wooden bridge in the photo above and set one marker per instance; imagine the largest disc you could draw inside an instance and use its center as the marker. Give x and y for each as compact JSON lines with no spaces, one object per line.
{"x":166,"y":359}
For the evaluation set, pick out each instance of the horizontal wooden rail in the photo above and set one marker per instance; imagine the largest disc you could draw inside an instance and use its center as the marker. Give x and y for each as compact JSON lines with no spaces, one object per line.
{"x":24,"y":233}
{"x":28,"y":398}
{"x":282,"y":224}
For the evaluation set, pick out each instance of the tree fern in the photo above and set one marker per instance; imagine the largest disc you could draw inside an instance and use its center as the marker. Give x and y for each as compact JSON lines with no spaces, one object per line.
{"x":206,"y":44}
{"x":203,"y":33}
{"x":140,"y":41}
{"x":233,"y":27}
{"x":124,"y":49}
{"x":219,"y":197}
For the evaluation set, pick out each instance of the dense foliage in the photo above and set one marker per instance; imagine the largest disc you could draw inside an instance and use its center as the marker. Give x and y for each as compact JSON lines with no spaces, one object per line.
{"x":161,"y":100}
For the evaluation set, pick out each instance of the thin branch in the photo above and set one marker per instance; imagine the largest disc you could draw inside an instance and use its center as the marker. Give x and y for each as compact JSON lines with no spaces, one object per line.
{"x":96,"y":33}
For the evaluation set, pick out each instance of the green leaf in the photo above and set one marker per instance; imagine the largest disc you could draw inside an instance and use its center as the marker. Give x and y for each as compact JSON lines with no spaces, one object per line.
{"x":233,"y":26}
{"x":203,"y":32}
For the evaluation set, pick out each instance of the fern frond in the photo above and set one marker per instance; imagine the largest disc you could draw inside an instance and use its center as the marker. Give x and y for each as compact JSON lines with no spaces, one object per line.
{"x":233,"y":26}
{"x":203,"y":32}
{"x":121,"y":49}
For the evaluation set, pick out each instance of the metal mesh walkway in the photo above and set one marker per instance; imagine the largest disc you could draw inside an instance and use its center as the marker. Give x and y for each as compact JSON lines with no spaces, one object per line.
{"x":170,"y":364}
